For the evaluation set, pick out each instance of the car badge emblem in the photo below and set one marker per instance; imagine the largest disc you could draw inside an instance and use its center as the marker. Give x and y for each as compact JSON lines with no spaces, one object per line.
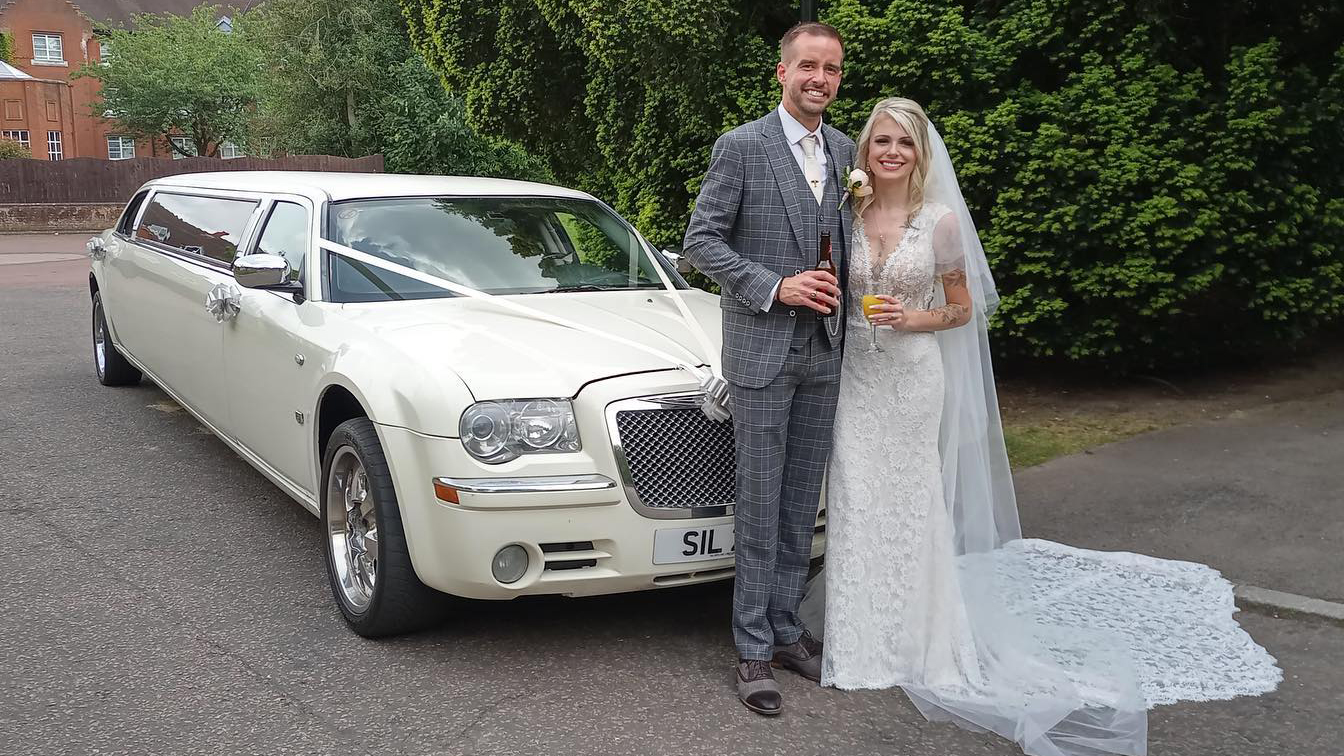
{"x":683,"y":401}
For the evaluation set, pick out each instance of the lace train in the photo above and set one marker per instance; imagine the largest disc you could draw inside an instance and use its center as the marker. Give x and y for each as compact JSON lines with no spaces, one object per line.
{"x":1175,"y":618}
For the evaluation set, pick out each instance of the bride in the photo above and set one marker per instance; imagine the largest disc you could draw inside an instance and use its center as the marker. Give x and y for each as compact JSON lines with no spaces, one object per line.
{"x":928,"y":583}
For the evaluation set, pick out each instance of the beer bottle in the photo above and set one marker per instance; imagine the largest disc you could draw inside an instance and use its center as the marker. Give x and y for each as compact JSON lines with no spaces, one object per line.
{"x":824,"y":261}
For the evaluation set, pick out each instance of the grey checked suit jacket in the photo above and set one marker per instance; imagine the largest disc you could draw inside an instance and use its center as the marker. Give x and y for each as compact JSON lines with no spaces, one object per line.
{"x":750,"y":229}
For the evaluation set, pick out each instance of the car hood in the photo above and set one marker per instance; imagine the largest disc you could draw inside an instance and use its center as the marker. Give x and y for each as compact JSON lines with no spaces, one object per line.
{"x":501,"y":355}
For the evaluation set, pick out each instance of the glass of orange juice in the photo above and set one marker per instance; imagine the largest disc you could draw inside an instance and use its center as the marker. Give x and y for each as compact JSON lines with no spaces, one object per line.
{"x":870,"y":303}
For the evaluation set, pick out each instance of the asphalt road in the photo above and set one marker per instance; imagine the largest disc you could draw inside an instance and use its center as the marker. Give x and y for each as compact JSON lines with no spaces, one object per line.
{"x":161,"y":597}
{"x":1259,"y":496}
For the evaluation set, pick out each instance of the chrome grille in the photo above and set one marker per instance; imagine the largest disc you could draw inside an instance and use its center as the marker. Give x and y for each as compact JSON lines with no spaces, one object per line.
{"x":677,"y":458}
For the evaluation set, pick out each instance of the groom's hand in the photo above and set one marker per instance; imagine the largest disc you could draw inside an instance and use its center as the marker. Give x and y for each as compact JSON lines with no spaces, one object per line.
{"x":812,"y":288}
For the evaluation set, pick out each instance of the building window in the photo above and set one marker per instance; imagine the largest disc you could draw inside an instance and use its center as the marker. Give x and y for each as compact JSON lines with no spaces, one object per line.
{"x":17,"y":136}
{"x":229,"y":150}
{"x":104,"y":51}
{"x":120,"y":148}
{"x":186,"y":145}
{"x":54,"y":145}
{"x":47,"y":48}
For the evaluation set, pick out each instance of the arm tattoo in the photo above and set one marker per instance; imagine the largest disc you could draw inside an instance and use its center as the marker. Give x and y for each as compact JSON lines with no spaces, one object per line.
{"x":956,"y":277}
{"x":949,"y":314}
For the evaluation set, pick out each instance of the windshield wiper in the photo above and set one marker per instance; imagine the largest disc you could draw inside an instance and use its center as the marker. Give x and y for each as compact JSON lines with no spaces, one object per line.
{"x":598,"y":287}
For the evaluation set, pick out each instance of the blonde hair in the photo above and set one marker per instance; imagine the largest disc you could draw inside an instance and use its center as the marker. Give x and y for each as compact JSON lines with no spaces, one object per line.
{"x":910,"y":116}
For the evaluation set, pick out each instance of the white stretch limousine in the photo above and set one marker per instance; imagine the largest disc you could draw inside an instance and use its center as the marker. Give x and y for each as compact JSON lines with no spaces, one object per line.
{"x":333,"y":329}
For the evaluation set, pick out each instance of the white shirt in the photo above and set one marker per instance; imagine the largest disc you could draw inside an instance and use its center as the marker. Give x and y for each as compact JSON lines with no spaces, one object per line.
{"x":794,"y":133}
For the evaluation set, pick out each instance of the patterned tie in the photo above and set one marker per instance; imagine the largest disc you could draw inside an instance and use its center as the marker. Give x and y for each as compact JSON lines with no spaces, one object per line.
{"x":811,"y":169}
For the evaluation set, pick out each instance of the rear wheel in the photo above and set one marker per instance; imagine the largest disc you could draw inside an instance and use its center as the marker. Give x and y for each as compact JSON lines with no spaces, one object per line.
{"x":368,"y":562}
{"x":113,"y":369}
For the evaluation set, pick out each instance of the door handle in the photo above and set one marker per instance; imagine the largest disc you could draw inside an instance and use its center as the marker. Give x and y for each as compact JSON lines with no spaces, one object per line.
{"x":223,"y":302}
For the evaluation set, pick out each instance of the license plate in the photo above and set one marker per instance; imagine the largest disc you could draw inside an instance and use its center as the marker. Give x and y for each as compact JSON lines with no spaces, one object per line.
{"x":674,"y":545}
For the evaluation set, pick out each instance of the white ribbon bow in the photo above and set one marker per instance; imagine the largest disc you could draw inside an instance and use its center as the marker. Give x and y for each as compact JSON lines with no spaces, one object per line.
{"x":223,"y":302}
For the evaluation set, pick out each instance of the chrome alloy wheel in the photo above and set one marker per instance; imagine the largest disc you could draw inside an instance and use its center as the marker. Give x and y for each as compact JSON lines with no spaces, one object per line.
{"x":352,"y":528}
{"x":99,"y":338}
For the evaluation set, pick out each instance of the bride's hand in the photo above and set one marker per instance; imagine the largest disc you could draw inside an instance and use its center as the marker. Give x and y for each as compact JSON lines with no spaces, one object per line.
{"x":890,"y":313}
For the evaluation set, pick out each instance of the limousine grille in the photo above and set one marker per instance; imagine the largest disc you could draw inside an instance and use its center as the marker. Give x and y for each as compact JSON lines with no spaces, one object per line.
{"x":677,"y":458}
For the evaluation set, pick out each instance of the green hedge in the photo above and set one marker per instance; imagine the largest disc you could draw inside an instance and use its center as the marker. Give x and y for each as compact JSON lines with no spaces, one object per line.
{"x":1156,"y":181}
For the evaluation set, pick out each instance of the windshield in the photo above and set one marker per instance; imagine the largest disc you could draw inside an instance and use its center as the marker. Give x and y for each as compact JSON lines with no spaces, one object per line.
{"x":499,"y":245}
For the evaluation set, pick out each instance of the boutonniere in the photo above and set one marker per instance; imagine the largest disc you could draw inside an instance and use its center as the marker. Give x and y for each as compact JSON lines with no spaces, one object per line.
{"x":856,"y":185}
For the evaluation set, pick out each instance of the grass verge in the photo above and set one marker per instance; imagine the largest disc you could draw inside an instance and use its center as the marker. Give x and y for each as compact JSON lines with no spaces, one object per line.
{"x":1033,"y":443}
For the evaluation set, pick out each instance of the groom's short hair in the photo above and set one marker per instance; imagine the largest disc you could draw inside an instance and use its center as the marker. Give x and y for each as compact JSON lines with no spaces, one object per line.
{"x":807,"y":27}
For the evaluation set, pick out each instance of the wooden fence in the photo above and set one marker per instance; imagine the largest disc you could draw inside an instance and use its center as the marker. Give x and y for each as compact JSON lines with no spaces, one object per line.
{"x":94,"y":180}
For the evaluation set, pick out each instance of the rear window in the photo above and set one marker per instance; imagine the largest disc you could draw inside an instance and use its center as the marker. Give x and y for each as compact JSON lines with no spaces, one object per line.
{"x":208,"y":226}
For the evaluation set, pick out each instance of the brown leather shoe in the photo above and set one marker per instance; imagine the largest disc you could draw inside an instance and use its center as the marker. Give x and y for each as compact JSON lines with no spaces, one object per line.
{"x":756,"y":687}
{"x":802,"y":656}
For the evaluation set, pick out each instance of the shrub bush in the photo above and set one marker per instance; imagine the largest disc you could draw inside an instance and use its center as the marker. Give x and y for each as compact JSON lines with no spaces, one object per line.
{"x":1155,"y":182}
{"x":10,"y":149}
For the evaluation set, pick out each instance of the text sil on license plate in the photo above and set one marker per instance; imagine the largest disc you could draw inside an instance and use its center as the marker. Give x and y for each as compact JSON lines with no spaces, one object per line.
{"x":674,"y":545}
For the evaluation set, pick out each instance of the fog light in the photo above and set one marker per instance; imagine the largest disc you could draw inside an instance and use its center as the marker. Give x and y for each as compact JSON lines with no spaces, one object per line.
{"x":510,"y":564}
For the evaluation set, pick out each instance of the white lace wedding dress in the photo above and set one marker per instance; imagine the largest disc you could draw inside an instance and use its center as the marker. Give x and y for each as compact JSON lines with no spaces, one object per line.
{"x":1058,"y":648}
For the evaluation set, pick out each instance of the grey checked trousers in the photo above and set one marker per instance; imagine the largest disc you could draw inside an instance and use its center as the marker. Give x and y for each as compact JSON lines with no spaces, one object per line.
{"x":783,"y":433}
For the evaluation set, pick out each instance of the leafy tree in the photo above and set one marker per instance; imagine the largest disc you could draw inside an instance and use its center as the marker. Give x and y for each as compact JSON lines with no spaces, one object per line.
{"x":179,"y":75}
{"x":6,"y":47}
{"x":420,"y":128}
{"x":10,"y":149}
{"x":327,"y":63}
{"x":342,"y":78}
{"x":621,"y":98}
{"x":1154,"y":181}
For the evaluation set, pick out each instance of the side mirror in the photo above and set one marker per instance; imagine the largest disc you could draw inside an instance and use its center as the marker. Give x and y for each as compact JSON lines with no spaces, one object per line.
{"x":261,"y":271}
{"x":679,"y":262}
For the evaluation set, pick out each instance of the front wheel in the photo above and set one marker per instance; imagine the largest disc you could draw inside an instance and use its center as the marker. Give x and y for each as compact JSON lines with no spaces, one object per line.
{"x":112,"y":367}
{"x":368,"y":562}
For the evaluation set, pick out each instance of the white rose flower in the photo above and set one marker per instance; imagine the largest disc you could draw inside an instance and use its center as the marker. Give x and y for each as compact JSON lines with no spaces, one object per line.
{"x":856,"y":184}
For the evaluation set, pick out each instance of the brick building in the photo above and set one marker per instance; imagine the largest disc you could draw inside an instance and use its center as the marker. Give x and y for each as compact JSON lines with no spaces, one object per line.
{"x":40,"y":106}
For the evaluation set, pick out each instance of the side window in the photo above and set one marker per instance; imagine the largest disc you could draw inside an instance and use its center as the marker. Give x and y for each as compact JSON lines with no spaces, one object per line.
{"x":286,"y":234}
{"x":127,"y":222}
{"x":206,"y":226}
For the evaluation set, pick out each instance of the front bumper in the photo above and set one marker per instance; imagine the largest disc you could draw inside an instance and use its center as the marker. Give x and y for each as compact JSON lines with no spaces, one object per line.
{"x":570,"y":512}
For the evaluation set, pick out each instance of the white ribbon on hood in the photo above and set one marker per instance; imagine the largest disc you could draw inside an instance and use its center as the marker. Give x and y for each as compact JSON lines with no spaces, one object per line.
{"x":712,"y":385}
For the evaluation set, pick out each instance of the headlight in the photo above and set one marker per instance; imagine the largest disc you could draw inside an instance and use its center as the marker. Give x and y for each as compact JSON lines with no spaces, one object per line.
{"x":500,"y":431}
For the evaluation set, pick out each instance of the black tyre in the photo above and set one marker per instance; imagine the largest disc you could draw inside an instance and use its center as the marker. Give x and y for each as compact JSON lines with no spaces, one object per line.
{"x":368,"y":563}
{"x":112,"y":367}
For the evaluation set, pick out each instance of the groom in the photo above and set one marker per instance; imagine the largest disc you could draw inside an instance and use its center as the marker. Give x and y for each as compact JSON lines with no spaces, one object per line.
{"x":773,"y":187}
